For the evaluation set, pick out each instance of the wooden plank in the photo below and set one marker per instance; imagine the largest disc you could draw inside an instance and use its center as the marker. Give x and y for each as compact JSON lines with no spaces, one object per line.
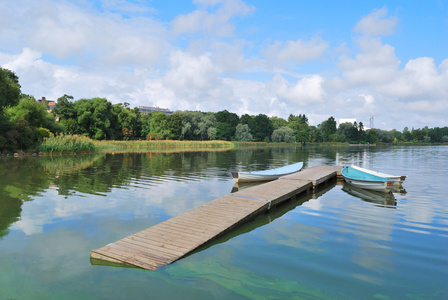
{"x":237,"y":203}
{"x":143,"y":252}
{"x":153,"y":240}
{"x":165,"y":239}
{"x":185,"y":232}
{"x":96,"y":255}
{"x":229,"y":208}
{"x":247,"y":202}
{"x":128,"y":259}
{"x":209,"y":212}
{"x":154,"y":245}
{"x":314,"y":174}
{"x":173,"y":235}
{"x":199,"y":223}
{"x":275,"y":190}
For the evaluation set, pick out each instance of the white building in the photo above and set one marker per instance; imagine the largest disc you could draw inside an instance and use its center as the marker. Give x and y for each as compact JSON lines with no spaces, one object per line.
{"x":149,"y":109}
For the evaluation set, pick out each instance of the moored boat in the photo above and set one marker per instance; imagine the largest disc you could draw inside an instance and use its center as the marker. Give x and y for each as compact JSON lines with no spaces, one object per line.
{"x":398,"y":179}
{"x":366,"y":180}
{"x":266,"y":175}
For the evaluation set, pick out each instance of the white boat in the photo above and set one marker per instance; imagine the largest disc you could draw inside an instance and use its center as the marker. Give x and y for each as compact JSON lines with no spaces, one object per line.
{"x":398,"y":179}
{"x":366,"y":180}
{"x":266,"y":175}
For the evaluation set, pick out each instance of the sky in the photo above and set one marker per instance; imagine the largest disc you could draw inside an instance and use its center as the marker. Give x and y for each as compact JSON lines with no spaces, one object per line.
{"x":381,"y":61}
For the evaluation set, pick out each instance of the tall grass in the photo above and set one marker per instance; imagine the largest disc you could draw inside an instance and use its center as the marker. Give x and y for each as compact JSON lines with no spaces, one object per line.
{"x":160,"y":145}
{"x":67,"y":144}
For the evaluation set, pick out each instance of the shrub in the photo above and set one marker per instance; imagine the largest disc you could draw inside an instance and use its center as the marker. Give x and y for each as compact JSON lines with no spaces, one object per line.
{"x":67,"y":144}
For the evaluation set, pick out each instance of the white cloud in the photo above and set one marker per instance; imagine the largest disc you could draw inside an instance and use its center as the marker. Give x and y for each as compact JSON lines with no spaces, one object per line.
{"x":215,"y":22}
{"x":377,"y":23}
{"x":229,"y":57}
{"x":70,"y":32}
{"x":376,"y":64}
{"x":126,"y":7}
{"x":290,"y":52}
{"x":192,"y":77}
{"x":419,"y":79}
{"x":189,"y":72}
{"x":304,"y":92}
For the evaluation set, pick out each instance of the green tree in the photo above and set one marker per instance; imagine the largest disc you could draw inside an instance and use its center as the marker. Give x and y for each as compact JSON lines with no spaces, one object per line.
{"x":261,"y":128}
{"x":407,"y":136}
{"x":9,"y":88}
{"x":29,"y":123}
{"x":337,"y":138}
{"x":314,"y":134}
{"x":327,"y":128}
{"x":64,"y":111}
{"x":197,"y":125}
{"x":417,"y":135}
{"x":300,"y":118}
{"x":97,"y":119}
{"x":350,"y":131}
{"x":361,"y":132}
{"x":278,"y":122}
{"x":9,"y":96}
{"x":130,"y":121}
{"x":283,"y":134}
{"x":155,"y":125}
{"x":207,"y":127}
{"x":242,"y":133}
{"x":249,"y":120}
{"x":398,"y":136}
{"x":174,"y":127}
{"x":35,"y":113}
{"x":382,"y":136}
{"x":299,"y":124}
{"x":371,"y":136}
{"x":226,"y":123}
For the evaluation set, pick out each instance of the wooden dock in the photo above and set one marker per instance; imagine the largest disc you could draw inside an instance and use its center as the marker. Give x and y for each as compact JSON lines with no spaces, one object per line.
{"x":173,"y":239}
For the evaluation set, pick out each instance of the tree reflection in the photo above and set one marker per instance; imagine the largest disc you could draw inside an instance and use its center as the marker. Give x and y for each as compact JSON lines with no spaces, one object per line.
{"x":25,"y":178}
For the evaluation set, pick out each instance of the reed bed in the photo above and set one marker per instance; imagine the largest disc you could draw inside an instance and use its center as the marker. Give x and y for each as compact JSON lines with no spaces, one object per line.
{"x":263,"y":145}
{"x":157,"y":145}
{"x":66,"y":143}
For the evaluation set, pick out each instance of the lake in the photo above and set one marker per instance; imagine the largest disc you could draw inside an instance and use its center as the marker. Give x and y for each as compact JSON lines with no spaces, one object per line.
{"x":336,"y":243}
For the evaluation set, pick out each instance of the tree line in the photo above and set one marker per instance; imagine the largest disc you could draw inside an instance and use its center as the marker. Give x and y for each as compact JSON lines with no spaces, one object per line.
{"x":25,"y":122}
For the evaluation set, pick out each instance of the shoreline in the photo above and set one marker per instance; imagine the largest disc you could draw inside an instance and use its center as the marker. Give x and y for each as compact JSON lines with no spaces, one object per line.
{"x":186,"y":146}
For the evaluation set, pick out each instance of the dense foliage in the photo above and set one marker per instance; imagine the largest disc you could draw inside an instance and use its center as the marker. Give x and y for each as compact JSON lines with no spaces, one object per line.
{"x":26,"y":122}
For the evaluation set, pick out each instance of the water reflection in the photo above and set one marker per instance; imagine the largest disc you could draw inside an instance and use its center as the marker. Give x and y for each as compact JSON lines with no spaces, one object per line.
{"x":239,"y":186}
{"x":382,"y":199}
{"x":23,"y":179}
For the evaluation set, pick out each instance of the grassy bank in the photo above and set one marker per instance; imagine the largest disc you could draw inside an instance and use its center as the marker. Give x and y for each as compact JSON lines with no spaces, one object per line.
{"x":67,"y":144}
{"x":130,"y":146}
{"x":77,"y":144}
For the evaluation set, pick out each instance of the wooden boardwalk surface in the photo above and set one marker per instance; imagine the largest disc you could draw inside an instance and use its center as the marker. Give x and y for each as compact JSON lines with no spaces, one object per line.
{"x":172,"y":239}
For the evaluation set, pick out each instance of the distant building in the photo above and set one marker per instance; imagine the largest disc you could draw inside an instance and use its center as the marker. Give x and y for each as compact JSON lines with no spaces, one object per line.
{"x":149,"y":109}
{"x":50,"y":103}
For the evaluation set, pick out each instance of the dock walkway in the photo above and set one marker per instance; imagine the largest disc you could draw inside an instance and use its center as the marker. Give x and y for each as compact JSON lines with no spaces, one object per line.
{"x":172,"y":239}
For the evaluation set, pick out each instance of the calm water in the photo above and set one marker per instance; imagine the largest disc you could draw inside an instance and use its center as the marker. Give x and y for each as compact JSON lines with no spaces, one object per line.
{"x":337,"y":244}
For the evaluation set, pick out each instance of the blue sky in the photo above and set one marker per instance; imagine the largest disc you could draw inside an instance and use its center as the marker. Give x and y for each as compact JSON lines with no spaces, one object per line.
{"x":343,"y":59}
